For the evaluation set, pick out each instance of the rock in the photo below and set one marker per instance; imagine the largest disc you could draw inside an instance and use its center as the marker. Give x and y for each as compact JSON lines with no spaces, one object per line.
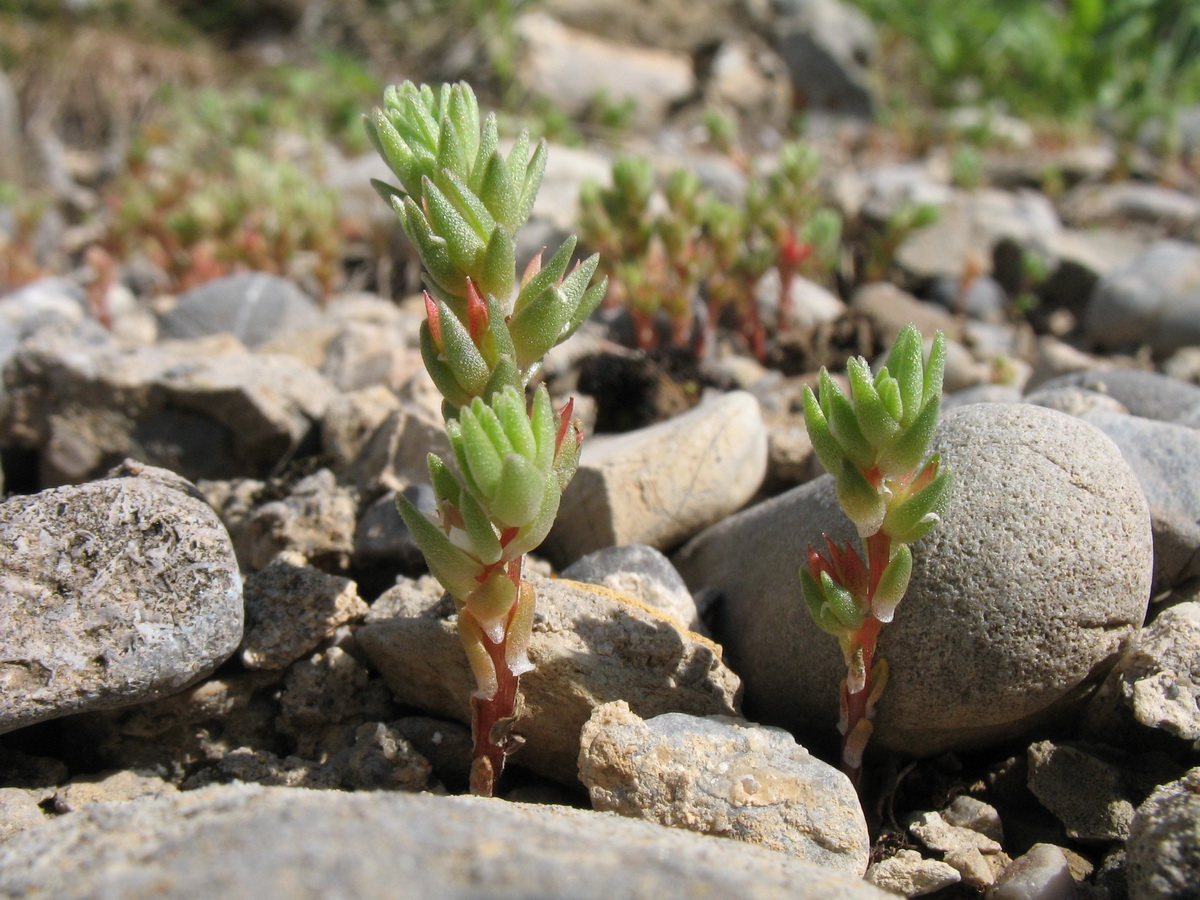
{"x":672,"y":24}
{"x":750,"y":80}
{"x":811,"y":303}
{"x":661,"y":484}
{"x":374,"y":343}
{"x":325,"y":699}
{"x":1166,"y":460}
{"x":573,"y":69}
{"x":1152,"y":300}
{"x":204,"y":409}
{"x":382,"y":539}
{"x":967,"y":812}
{"x":1092,"y":789}
{"x":1041,"y":873}
{"x":254,"y":307}
{"x":981,"y":298}
{"x":244,"y":842}
{"x":21,"y":808}
{"x":1084,"y":257}
{"x":1129,"y":201}
{"x":1145,"y":394}
{"x":590,"y":646}
{"x":970,"y":225}
{"x":122,"y":784}
{"x":396,"y":455}
{"x":316,"y":519}
{"x":642,"y":572}
{"x":1052,"y":358}
{"x":880,"y":192}
{"x":421,"y":598}
{"x":891,"y":309}
{"x":47,"y":304}
{"x":351,"y":418}
{"x":982,"y":393}
{"x":827,"y":46}
{"x":1041,"y":501}
{"x":176,"y":735}
{"x":1164,"y":842}
{"x":291,"y":608}
{"x":447,"y":746}
{"x":111,"y":593}
{"x":725,"y":777}
{"x":911,"y":875}
{"x":976,"y":857}
{"x":1154,"y":691}
{"x":1076,"y":401}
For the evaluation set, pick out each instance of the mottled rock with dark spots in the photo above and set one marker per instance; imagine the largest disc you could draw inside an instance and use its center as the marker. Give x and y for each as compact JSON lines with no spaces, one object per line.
{"x":111,"y":593}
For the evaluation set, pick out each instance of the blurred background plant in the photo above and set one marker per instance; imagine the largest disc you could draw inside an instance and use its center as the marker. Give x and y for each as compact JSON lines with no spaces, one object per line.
{"x":1127,"y":61}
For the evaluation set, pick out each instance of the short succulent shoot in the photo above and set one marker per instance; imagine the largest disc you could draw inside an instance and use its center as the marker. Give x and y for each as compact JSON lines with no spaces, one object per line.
{"x":876,"y":444}
{"x":461,"y":202}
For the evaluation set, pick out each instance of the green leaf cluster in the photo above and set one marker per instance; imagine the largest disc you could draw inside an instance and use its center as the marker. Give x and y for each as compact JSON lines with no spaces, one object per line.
{"x":461,"y":201}
{"x":875,"y":441}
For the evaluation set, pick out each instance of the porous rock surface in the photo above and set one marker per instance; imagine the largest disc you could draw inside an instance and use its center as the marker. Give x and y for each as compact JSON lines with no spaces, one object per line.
{"x":248,"y":842}
{"x":1032,"y":585}
{"x":112,"y":592}
{"x":590,"y":646}
{"x":1164,"y":843}
{"x":726,"y":777}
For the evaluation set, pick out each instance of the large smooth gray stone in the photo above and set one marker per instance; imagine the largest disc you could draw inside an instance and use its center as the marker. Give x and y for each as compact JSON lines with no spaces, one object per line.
{"x":247,"y":843}
{"x":1154,"y":299}
{"x":252,"y":306}
{"x":111,"y":593}
{"x":1027,"y":591}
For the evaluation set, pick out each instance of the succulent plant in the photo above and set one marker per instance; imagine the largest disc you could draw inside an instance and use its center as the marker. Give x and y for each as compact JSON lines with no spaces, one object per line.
{"x":461,"y":202}
{"x":876,"y":445}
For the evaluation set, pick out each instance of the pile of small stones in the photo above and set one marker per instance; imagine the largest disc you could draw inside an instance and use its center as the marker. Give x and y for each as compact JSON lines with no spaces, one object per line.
{"x":226,"y":671}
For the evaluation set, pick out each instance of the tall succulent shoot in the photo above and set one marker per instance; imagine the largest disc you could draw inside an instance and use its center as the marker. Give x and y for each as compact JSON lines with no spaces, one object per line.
{"x":461,"y":202}
{"x":876,"y":445}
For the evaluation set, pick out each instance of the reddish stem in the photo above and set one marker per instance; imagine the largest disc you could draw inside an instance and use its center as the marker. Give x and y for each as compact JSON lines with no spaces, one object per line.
{"x":855,"y":705}
{"x":492,"y":718}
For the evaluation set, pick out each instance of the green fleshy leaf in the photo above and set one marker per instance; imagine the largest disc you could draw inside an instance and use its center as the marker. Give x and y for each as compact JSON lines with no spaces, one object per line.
{"x":463,"y":245}
{"x":531,"y":535}
{"x":497,"y":338}
{"x":441,"y":374}
{"x":488,"y":141}
{"x":480,"y":532}
{"x":813,"y":598}
{"x":490,"y":604}
{"x":462,"y":113}
{"x":478,"y":459}
{"x":892,"y":584}
{"x":490,"y":423}
{"x":588,"y":303}
{"x":392,"y":148}
{"x":889,"y":394}
{"x":510,"y":410}
{"x":907,"y":366}
{"x":576,"y":282}
{"x":825,"y":445}
{"x":461,"y":355}
{"x":841,"y":603}
{"x":935,"y":369}
{"x":520,"y":492}
{"x":446,"y":486}
{"x":505,"y":376}
{"x":919,"y":514}
{"x":545,"y":428}
{"x":532,"y":180}
{"x":550,"y":274}
{"x":876,"y":424}
{"x":434,"y":253}
{"x":537,"y":327}
{"x":860,"y":501}
{"x":468,"y":204}
{"x":843,"y":424}
{"x":501,"y":194}
{"x":452,"y":567}
{"x":387,"y":191}
{"x":498,"y":272}
{"x":911,"y":448}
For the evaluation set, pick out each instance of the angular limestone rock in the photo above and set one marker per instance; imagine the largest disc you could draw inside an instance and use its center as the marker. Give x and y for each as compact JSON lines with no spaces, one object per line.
{"x":726,"y":777}
{"x":590,"y":646}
